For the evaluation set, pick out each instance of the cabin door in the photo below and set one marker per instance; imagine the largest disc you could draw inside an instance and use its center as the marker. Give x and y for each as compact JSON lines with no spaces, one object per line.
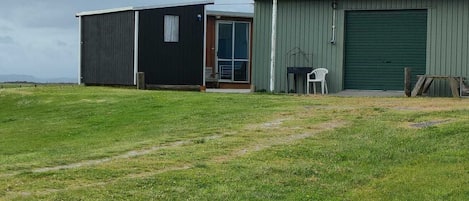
{"x":233,"y":51}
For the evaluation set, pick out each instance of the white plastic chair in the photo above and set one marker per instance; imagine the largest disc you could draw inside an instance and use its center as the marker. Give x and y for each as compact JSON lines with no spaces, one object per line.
{"x":319,"y":76}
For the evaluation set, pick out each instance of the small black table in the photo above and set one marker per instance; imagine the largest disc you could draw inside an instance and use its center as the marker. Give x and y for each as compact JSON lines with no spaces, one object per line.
{"x":297,"y":71}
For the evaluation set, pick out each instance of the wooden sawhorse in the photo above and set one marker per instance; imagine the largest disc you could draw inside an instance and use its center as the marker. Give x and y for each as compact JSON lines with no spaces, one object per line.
{"x":424,"y":82}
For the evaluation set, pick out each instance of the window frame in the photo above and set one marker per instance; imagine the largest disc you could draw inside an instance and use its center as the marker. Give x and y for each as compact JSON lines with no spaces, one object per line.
{"x":171,"y":28}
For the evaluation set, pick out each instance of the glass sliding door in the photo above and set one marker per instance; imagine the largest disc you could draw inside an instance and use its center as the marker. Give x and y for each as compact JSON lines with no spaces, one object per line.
{"x":233,"y":51}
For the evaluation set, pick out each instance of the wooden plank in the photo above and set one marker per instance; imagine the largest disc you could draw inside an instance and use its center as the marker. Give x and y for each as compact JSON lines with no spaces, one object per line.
{"x":174,"y":87}
{"x":427,"y":84}
{"x":418,"y":86}
{"x":141,"y":80}
{"x":210,"y":51}
{"x":454,"y":84}
{"x":437,"y":76}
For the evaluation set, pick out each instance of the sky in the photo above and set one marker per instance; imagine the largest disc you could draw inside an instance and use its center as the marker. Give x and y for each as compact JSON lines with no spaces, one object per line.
{"x":40,"y":38}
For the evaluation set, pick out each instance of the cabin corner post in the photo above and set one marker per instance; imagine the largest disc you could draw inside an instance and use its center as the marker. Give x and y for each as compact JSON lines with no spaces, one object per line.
{"x":204,"y":63}
{"x":80,"y":44}
{"x":136,"y":32}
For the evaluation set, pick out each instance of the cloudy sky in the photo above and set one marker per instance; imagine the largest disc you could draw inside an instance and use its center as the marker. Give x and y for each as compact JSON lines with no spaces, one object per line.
{"x":40,"y":37}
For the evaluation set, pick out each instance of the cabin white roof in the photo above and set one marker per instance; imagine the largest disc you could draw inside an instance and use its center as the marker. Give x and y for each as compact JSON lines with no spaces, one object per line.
{"x":232,"y":9}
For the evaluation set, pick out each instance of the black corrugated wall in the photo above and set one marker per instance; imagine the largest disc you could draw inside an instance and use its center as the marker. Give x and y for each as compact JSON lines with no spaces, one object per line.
{"x":172,"y":63}
{"x":107,"y":48}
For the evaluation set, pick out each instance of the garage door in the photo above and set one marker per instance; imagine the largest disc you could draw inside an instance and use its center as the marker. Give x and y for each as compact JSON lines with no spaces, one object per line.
{"x":379,"y":44}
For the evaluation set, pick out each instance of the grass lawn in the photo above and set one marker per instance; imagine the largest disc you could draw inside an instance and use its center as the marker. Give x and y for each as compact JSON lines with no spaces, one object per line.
{"x":93,"y":143}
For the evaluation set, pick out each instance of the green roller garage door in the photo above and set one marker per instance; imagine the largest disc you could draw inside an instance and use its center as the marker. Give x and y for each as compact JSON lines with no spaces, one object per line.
{"x":379,"y":44}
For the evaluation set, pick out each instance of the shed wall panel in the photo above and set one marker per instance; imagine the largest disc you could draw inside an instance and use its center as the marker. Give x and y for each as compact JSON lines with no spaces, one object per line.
{"x":261,"y":45}
{"x":301,"y":24}
{"x":307,"y":25}
{"x":448,"y":41}
{"x":107,"y":49}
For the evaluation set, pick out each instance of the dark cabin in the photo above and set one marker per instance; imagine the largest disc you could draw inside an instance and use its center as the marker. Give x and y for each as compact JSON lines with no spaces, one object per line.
{"x":164,"y":42}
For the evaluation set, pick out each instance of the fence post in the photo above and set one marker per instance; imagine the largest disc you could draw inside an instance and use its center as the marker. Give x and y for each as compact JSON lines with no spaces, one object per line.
{"x":141,"y":80}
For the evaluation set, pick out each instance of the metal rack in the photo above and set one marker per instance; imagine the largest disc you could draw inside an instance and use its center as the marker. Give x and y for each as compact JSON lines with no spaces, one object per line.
{"x":298,"y":59}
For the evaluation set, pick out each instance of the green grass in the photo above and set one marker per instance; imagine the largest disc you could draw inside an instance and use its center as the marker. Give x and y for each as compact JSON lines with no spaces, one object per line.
{"x":123,"y":144}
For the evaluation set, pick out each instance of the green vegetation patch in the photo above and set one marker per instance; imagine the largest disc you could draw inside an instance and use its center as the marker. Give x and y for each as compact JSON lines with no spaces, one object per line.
{"x":95,"y":143}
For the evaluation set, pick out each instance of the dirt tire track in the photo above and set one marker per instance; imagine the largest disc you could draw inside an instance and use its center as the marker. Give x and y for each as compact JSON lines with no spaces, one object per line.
{"x":274,"y":141}
{"x":253,"y":147}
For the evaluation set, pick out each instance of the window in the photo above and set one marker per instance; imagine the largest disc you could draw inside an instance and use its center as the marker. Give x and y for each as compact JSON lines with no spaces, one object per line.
{"x":171,"y":28}
{"x":233,"y":51}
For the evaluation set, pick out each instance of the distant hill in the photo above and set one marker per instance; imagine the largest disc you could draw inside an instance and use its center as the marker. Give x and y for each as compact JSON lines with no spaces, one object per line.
{"x":29,"y":78}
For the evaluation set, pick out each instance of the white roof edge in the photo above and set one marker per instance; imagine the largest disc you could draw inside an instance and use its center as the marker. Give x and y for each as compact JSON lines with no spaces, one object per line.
{"x":113,"y":10}
{"x":97,"y":12}
{"x":176,"y":4}
{"x":229,"y":14}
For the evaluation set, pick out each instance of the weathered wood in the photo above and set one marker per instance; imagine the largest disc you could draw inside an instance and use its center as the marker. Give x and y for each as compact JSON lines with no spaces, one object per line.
{"x":426,"y":86}
{"x":141,"y":80}
{"x":174,"y":87}
{"x":454,"y":84}
{"x":418,"y":86}
{"x":407,"y":81}
{"x":424,"y":82}
{"x":435,"y":76}
{"x":203,"y":88}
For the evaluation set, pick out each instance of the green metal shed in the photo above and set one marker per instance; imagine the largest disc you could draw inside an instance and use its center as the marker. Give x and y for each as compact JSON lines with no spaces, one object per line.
{"x":372,"y":42}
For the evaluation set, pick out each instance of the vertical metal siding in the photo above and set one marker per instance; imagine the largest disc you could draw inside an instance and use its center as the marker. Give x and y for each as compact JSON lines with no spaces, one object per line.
{"x":307,"y":24}
{"x":261,"y":44}
{"x":448,"y":41}
{"x":174,"y":63}
{"x":107,"y":48}
{"x":302,"y":24}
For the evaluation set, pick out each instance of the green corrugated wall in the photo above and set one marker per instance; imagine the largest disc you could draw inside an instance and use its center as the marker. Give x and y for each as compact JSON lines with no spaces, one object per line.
{"x":380,"y":44}
{"x":307,"y":25}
